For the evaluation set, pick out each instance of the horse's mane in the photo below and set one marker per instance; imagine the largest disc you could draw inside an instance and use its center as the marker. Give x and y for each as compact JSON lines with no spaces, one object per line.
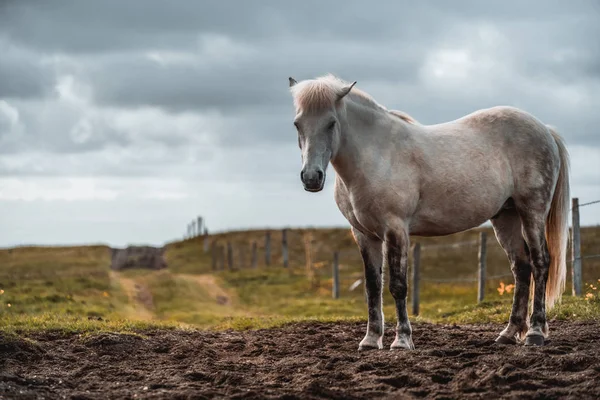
{"x":404,"y":116}
{"x":322,"y":92}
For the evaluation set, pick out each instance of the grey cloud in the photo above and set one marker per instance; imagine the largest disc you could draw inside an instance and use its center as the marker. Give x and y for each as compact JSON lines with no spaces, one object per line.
{"x":386,"y":44}
{"x":112,"y":24}
{"x":60,"y":129}
{"x":152,"y":160}
{"x":21,"y":73}
{"x":254,"y":80}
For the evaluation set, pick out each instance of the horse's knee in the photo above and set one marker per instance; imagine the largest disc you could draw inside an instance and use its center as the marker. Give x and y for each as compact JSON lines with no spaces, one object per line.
{"x":372,"y":279}
{"x":398,"y":288}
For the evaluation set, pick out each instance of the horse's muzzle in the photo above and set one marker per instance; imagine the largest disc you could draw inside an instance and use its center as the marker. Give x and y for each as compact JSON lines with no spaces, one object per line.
{"x":313,"y":179}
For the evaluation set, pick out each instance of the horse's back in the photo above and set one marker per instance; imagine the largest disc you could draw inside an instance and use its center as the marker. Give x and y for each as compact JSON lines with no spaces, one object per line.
{"x":525,"y":141}
{"x":482,"y":159}
{"x":507,"y":124}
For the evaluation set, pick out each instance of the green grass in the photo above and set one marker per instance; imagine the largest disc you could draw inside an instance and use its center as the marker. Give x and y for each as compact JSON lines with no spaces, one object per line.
{"x":60,"y":323}
{"x":71,"y":289}
{"x":67,"y":281}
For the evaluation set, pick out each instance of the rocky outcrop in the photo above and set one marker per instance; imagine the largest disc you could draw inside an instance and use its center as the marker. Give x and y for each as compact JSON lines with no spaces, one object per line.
{"x":146,"y":257}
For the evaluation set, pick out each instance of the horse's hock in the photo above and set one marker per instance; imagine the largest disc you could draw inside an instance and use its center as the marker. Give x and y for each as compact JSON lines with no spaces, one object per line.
{"x":145,"y":257}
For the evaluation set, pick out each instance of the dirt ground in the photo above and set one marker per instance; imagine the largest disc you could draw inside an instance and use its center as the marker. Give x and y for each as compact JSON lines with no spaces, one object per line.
{"x":302,"y":361}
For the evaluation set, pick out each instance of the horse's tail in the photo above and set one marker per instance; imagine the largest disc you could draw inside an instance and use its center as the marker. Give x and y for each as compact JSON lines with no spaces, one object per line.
{"x":557,"y":226}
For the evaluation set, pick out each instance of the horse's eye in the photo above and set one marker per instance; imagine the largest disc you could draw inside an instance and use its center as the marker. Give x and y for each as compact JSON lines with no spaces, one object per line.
{"x":331,"y":125}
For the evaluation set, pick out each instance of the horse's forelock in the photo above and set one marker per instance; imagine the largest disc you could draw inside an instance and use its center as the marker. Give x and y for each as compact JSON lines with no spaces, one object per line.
{"x":321,"y":93}
{"x":318,"y":94}
{"x":314,"y":95}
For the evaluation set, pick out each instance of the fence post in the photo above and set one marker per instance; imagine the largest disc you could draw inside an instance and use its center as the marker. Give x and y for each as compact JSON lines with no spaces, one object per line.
{"x":213,"y":257}
{"x":336,"y":276}
{"x":229,"y":256}
{"x":222,"y":257}
{"x":482,"y":261}
{"x":576,"y":249}
{"x":310,"y":275}
{"x":199,"y":226}
{"x":415,"y":278}
{"x":254,"y":255}
{"x":284,"y":248}
{"x":267,"y":248}
{"x":242,"y":255}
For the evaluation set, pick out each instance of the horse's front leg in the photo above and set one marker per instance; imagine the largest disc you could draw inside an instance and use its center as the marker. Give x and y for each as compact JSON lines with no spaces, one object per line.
{"x":396,"y":255}
{"x":370,"y":251}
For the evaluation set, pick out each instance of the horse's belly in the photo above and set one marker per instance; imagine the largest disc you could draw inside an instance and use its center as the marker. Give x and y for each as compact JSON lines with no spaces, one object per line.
{"x":425,"y":227}
{"x":453,"y":217}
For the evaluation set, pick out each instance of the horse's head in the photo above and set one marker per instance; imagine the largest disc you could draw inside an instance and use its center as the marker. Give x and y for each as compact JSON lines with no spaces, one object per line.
{"x":318,"y":124}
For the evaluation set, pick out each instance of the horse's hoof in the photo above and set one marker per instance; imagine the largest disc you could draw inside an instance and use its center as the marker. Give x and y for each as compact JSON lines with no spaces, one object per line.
{"x":403,"y":344}
{"x":365,"y":347}
{"x":505,"y":340}
{"x":371,"y":342}
{"x":534,"y":340}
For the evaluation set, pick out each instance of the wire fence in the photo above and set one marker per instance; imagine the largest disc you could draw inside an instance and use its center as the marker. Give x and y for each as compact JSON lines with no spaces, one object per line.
{"x":473,"y":261}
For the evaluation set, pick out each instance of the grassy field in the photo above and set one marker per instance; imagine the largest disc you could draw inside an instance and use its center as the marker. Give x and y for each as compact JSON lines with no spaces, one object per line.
{"x":73,"y":289}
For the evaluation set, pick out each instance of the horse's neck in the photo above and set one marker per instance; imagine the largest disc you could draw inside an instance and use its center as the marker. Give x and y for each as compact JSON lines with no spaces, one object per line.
{"x":367,"y":132}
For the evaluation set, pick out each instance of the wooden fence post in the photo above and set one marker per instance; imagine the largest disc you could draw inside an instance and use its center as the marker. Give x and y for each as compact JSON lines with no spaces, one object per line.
{"x":254,"y":255}
{"x":415,"y":278}
{"x":482,"y":262}
{"x":199,"y":226}
{"x":310,"y":273}
{"x":284,"y":248}
{"x":229,"y":256}
{"x":267,"y":248}
{"x":222,"y":257}
{"x":213,"y":257}
{"x":336,"y":276}
{"x":242,"y":255}
{"x":576,"y":266}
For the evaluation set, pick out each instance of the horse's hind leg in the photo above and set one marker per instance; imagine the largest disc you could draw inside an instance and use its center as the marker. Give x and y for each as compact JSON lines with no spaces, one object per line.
{"x":507,"y":227}
{"x":371,"y":252}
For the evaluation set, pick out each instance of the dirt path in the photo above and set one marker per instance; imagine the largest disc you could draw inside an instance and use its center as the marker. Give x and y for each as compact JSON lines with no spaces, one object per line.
{"x":302,"y":361}
{"x":211,"y":285}
{"x":140,"y":302}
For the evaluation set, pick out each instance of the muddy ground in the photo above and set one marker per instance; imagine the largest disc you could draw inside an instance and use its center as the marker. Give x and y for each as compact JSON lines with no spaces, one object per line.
{"x":302,"y":361}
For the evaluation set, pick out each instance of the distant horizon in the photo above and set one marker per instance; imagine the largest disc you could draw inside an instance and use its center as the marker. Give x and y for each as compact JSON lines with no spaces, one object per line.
{"x":250,"y":229}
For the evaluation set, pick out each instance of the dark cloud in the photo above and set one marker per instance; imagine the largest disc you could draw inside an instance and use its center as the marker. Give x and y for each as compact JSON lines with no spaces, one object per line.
{"x":228,"y":62}
{"x":255,"y":78}
{"x":22,"y":74}
{"x":113,"y":24}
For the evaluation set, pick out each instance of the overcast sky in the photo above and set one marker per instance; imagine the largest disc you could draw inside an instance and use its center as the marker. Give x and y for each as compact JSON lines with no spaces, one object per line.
{"x":122,"y":120}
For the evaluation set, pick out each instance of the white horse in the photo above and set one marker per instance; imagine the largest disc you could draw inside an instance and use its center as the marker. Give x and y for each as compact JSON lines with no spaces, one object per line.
{"x":397,"y":177}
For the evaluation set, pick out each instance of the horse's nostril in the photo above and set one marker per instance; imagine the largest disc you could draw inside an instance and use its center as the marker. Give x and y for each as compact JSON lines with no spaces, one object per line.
{"x":320,"y":174}
{"x":302,"y":176}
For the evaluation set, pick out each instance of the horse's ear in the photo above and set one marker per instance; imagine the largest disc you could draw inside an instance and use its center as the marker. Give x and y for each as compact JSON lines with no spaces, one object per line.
{"x":345,"y":90}
{"x":292,"y":81}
